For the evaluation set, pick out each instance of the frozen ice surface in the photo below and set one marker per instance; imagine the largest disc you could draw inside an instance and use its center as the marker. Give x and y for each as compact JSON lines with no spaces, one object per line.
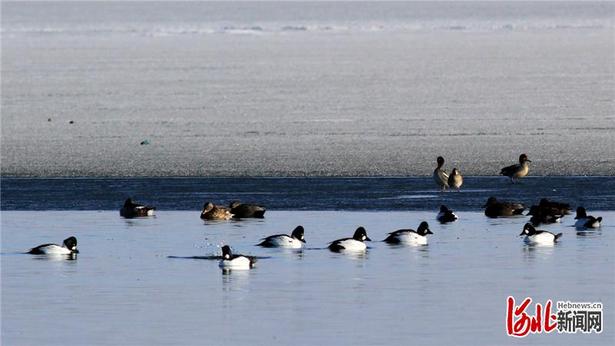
{"x":478,"y":87}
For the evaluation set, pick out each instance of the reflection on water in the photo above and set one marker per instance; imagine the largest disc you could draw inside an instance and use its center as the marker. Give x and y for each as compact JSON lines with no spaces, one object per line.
{"x":55,"y":257}
{"x":589,"y":233}
{"x":354,"y":255}
{"x":235,"y":280}
{"x":534,"y":251}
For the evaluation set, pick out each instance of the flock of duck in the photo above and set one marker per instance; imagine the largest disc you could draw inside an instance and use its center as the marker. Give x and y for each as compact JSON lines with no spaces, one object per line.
{"x":545,"y":212}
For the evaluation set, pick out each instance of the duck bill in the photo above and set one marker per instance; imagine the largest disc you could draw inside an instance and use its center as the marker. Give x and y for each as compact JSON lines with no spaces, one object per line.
{"x":429,"y":232}
{"x":367,"y":239}
{"x":302,"y":240}
{"x":522,"y":233}
{"x":75,"y":251}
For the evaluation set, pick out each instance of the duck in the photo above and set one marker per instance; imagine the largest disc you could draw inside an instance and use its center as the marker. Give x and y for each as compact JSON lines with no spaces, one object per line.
{"x":517,"y":171}
{"x":293,"y":241}
{"x":446,"y":215}
{"x":534,"y":236}
{"x":215,"y":212}
{"x":495,"y":208}
{"x":455,"y":180}
{"x":553,"y":207}
{"x":540,"y":215}
{"x":439,"y":175}
{"x":410,"y":236}
{"x":241,"y":210}
{"x":356,"y":243}
{"x":586,"y":221}
{"x":237,"y":262}
{"x":69,"y":246}
{"x":132,"y":209}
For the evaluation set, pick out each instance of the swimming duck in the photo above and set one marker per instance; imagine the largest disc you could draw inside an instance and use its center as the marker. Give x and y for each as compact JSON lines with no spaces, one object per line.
{"x":446,"y":215}
{"x":69,"y":246}
{"x":240,"y":210}
{"x":534,"y":236}
{"x":410,"y":236}
{"x":293,"y":241}
{"x":586,"y":221}
{"x":215,"y":212}
{"x":495,"y":208}
{"x":554,"y":207}
{"x":131,"y":209}
{"x":237,"y":262}
{"x":439,"y":175}
{"x":356,"y":243}
{"x":517,"y":171}
{"x":541,"y":215}
{"x":455,"y":180}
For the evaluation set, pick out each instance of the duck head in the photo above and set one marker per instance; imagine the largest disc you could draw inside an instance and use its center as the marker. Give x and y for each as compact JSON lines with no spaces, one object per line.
{"x":226,"y":252}
{"x":361,"y":235}
{"x":523,"y":158}
{"x":581,"y":213}
{"x":298,"y":234}
{"x":528,"y":229}
{"x":424,"y":229}
{"x":440,"y":161}
{"x":71,"y":244}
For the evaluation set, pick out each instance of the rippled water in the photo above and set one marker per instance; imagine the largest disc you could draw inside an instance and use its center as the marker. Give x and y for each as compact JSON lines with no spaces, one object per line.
{"x":342,"y":193}
{"x":123,"y":289}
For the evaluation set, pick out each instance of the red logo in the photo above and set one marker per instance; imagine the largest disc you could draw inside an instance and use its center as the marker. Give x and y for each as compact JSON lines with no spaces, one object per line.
{"x":519,"y":324}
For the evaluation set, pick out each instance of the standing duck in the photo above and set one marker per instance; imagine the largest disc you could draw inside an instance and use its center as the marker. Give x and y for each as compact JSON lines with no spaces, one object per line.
{"x":241,"y":210}
{"x":586,"y":221}
{"x":495,"y":208}
{"x":439,"y":174}
{"x":455,"y":180}
{"x":517,"y":171}
{"x":131,"y":209}
{"x":214,"y":212}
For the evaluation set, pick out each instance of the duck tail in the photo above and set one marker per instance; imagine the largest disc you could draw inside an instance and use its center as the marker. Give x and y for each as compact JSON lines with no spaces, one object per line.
{"x":599,"y":218}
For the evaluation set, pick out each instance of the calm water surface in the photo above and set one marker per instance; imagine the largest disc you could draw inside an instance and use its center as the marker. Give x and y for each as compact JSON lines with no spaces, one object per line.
{"x":123,"y":288}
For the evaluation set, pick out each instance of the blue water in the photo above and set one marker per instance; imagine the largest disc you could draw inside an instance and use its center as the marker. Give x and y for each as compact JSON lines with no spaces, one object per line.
{"x":595,"y":193}
{"x":122,"y":289}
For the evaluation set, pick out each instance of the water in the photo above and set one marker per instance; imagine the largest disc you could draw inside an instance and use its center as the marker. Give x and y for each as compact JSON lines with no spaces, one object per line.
{"x":123,"y":289}
{"x":334,"y":89}
{"x":319,"y":93}
{"x":374,"y":193}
